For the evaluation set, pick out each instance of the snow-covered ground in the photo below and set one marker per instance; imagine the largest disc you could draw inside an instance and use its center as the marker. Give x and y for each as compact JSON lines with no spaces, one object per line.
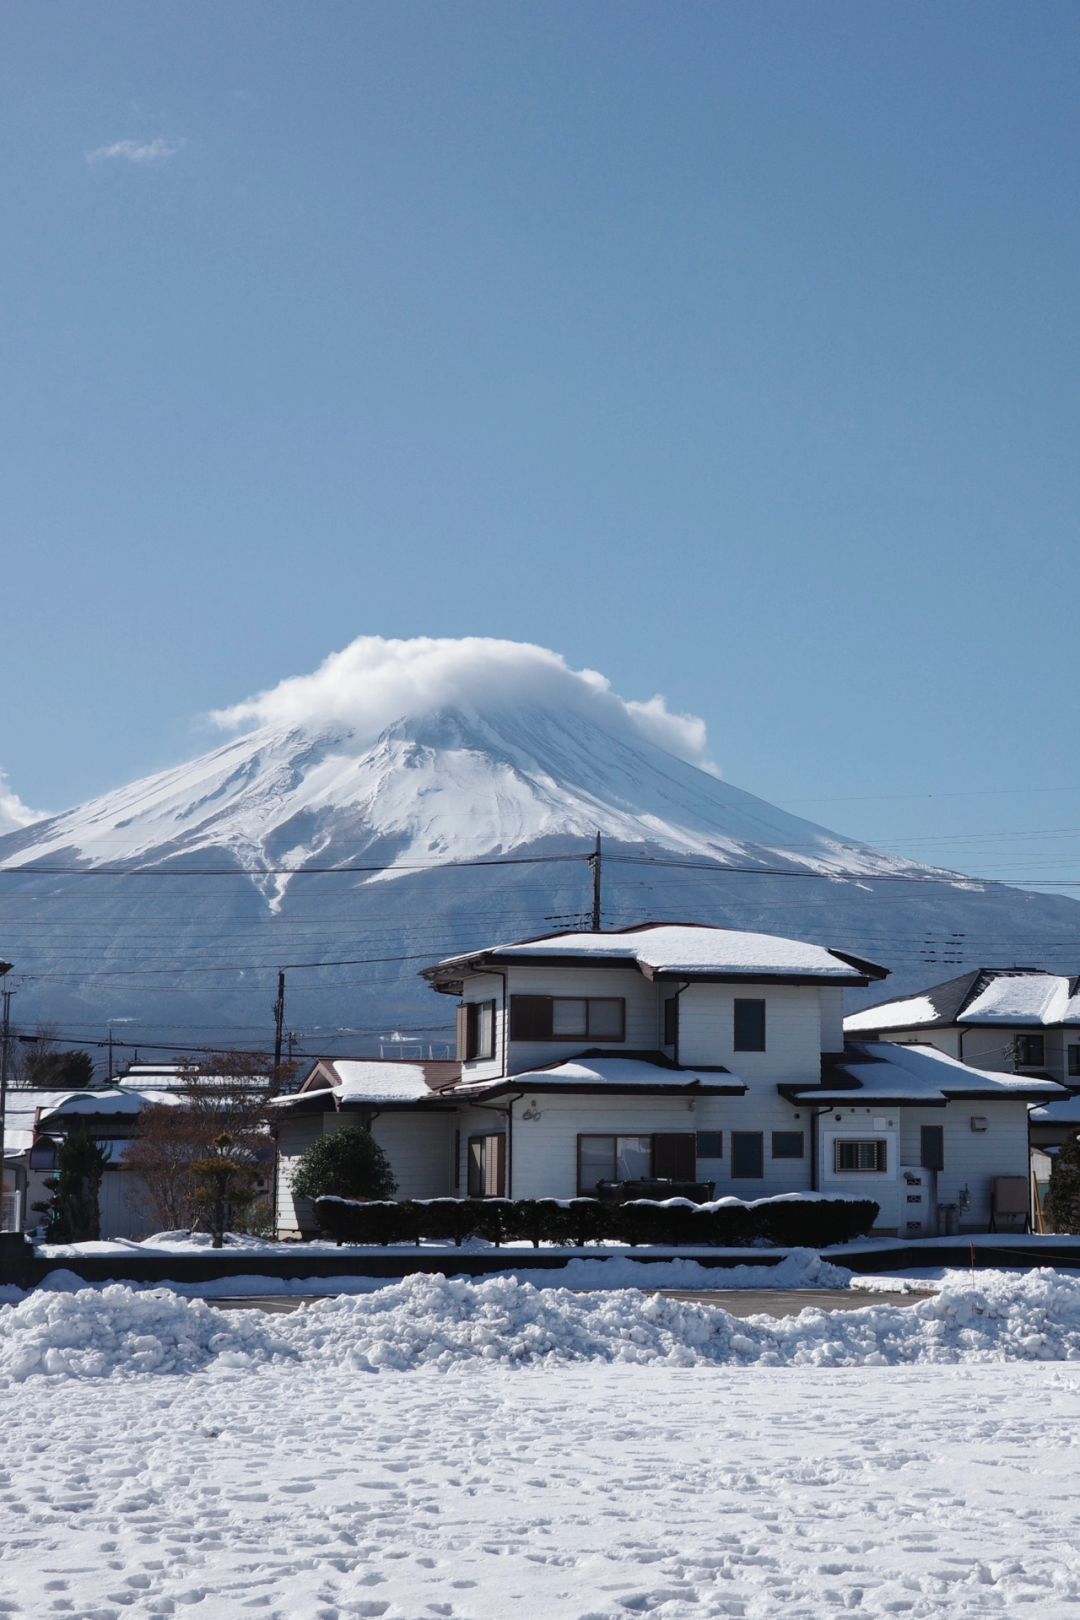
{"x":541,"y":1454}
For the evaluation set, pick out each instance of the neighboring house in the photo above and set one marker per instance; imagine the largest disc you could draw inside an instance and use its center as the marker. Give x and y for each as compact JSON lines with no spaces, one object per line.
{"x":110,"y":1115}
{"x":674,"y":1053}
{"x":37,"y":1121}
{"x":1008,"y":1020}
{"x":23,"y":1180}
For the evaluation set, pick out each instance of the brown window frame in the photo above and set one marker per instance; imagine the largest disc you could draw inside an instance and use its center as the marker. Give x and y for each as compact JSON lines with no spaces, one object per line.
{"x":719,"y":1137}
{"x":499,"y":1139}
{"x":801,"y":1154}
{"x":671,"y":1021}
{"x":518,"y":1014}
{"x":880,"y":1145}
{"x":1073,"y":1060}
{"x":468,"y":1030}
{"x":1022,"y":1042}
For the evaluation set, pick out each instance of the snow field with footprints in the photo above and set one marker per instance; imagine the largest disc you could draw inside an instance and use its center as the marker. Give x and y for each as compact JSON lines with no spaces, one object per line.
{"x":540,"y":1454}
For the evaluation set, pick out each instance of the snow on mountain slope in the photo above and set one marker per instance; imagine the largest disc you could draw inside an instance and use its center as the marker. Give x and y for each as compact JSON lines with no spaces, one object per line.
{"x":451,"y":786}
{"x":410,"y":757}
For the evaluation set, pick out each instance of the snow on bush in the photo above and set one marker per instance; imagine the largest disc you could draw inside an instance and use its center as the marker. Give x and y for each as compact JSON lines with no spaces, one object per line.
{"x":450,"y":1323}
{"x":118,"y":1331}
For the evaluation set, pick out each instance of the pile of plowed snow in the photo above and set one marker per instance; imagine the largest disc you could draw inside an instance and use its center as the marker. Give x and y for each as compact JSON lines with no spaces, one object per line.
{"x":444,"y":1323}
{"x":120,"y":1331}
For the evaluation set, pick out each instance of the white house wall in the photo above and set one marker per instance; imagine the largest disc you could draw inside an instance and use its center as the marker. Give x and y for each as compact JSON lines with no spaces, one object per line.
{"x":792,"y":1032}
{"x":881,"y":1185}
{"x":545,"y":1149}
{"x":628,"y":984}
{"x":296,"y":1133}
{"x":419,"y":1148}
{"x":972,"y":1158}
{"x":831,"y":1013}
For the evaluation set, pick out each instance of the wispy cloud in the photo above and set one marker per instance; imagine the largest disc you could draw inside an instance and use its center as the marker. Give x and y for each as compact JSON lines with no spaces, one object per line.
{"x":13,"y":812}
{"x":155,"y":151}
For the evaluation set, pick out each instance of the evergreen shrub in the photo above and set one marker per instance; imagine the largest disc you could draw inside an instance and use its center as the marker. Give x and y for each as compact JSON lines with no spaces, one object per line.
{"x":811,"y":1223}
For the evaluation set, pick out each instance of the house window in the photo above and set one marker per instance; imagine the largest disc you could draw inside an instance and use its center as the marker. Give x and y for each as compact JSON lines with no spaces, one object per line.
{"x":1074,"y":1059}
{"x":747,"y":1155}
{"x":671,"y":1021}
{"x":851,"y":1154}
{"x":787,"y":1144}
{"x":567,"y":1018}
{"x":749,"y":1026}
{"x":710,"y":1144}
{"x":1029,"y":1051}
{"x":476,"y":1031}
{"x":612,"y":1158}
{"x":932,"y":1147}
{"x":487,"y":1166}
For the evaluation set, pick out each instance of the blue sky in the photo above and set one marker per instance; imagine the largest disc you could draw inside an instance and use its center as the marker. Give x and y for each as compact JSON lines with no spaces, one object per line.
{"x":728,"y":349}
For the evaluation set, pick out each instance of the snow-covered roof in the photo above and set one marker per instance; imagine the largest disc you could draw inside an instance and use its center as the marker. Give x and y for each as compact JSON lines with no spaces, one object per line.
{"x":370,"y":1080}
{"x":180,"y":1076}
{"x":23,"y":1106}
{"x":679,"y":950}
{"x":110,"y":1100}
{"x":879,"y":1071}
{"x":1009,"y":996}
{"x":1065,"y":1111}
{"x":608,"y":1073}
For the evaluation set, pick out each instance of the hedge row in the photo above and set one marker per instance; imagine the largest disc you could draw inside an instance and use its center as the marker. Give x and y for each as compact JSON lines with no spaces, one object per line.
{"x":812,"y":1223}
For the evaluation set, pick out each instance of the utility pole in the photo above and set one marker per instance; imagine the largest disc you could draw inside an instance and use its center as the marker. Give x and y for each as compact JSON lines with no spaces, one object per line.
{"x":5,"y":1041}
{"x":109,"y":1070}
{"x":279,"y":1028}
{"x":594,"y":863}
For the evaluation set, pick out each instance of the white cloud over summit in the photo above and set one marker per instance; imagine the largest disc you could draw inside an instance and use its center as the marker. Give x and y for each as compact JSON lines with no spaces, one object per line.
{"x":373,"y":682}
{"x":13,"y":813}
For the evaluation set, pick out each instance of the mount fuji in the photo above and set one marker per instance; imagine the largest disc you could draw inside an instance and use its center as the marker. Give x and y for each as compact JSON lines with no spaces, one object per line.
{"x":334,"y":839}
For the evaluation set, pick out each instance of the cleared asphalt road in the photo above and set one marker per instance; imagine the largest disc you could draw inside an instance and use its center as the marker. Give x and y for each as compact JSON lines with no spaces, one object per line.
{"x":738,"y":1301}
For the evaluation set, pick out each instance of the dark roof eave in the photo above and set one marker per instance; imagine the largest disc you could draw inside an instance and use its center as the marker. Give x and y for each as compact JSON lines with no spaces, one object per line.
{"x":855,"y":1098}
{"x":584,"y":1088}
{"x":456,"y":970}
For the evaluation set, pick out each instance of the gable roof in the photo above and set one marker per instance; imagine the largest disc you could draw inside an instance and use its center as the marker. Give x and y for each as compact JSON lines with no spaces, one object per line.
{"x":671,"y":951}
{"x":371,"y":1081}
{"x":1008,"y":996}
{"x":888,"y":1075}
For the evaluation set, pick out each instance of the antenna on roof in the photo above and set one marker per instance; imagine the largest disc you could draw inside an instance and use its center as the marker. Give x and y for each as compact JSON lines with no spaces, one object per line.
{"x":594,"y":863}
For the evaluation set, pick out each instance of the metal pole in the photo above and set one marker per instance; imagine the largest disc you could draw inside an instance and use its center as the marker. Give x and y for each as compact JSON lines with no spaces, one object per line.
{"x":5,"y":1040}
{"x":279,"y":1027}
{"x":594,"y":862}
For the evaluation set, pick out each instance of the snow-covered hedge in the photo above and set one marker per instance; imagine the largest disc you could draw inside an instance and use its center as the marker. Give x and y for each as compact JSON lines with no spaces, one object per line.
{"x":790,"y":1220}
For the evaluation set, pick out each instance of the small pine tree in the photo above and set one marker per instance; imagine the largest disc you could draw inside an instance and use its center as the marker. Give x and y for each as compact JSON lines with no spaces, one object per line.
{"x":226,"y":1182}
{"x":344,"y":1164}
{"x":1062,"y":1208}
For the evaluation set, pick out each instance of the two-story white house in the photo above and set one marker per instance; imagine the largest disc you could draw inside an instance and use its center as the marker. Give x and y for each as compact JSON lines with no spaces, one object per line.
{"x":674,"y":1053}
